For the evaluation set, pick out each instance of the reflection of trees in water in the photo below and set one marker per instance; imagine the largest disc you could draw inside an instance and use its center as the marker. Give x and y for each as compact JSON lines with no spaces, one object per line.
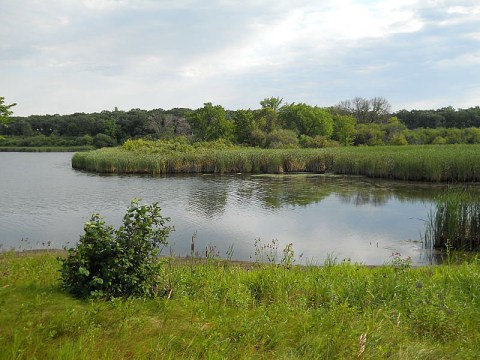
{"x":212,"y":193}
{"x":378,"y":193}
{"x":359,"y":198}
{"x":302,"y":190}
{"x":209,"y":197}
{"x":292,"y":190}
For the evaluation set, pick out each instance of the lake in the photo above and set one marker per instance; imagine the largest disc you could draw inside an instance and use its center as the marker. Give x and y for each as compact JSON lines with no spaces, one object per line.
{"x":44,"y":203}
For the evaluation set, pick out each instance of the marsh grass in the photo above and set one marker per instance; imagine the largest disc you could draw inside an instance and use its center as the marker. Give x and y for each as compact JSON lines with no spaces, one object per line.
{"x":418,"y":163}
{"x":214,"y":309}
{"x":454,"y":222}
{"x":45,"y":148}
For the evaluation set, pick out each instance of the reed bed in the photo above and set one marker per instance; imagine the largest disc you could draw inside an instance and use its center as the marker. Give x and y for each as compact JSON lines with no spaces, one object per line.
{"x":454,"y":223}
{"x":435,"y":163}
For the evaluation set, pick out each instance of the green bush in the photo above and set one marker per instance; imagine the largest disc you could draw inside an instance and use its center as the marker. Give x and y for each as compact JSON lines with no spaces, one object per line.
{"x":103,"y":140}
{"x":282,"y":138}
{"x":114,"y":263}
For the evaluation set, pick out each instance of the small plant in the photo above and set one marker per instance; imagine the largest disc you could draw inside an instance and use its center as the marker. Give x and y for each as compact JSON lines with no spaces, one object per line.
{"x":114,"y":263}
{"x":266,"y":253}
{"x":399,"y":262}
{"x":211,"y":252}
{"x":288,"y":256}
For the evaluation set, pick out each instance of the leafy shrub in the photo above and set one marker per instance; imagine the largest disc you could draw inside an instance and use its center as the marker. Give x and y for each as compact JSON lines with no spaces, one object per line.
{"x":257,"y":138}
{"x":318,"y":141}
{"x":439,"y":140}
{"x":103,"y":140}
{"x":114,"y":263}
{"x":282,"y":138}
{"x":398,"y":139}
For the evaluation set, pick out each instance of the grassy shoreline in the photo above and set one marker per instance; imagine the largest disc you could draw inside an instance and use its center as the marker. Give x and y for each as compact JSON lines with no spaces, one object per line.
{"x":214,"y":310}
{"x":45,"y":148}
{"x":435,"y":163}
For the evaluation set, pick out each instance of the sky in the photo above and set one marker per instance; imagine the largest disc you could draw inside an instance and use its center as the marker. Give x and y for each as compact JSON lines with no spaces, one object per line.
{"x":67,"y":56}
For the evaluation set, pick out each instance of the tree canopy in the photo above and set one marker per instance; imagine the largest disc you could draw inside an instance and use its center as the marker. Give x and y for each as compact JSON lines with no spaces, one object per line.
{"x":210,"y":123}
{"x":5,"y":111}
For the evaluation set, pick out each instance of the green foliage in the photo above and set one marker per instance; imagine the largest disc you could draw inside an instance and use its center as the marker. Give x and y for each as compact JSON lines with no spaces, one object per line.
{"x":422,"y":163}
{"x":472,"y":136}
{"x":219,"y":310}
{"x":51,"y":141}
{"x":5,"y":111}
{"x":357,"y":121}
{"x":445,"y":117}
{"x":271,"y":103}
{"x":243,"y":120}
{"x":439,"y":140}
{"x":103,"y":140}
{"x":370,"y":134}
{"x":210,"y":123}
{"x":109,"y":263}
{"x":344,"y":129}
{"x":454,"y":223}
{"x":267,"y":118}
{"x":397,"y":261}
{"x":398,"y":139}
{"x":282,"y":138}
{"x":258,"y":138}
{"x":317,"y":141}
{"x":307,"y":120}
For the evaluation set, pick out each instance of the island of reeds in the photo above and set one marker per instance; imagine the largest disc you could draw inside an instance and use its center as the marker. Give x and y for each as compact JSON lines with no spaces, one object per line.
{"x":434,"y":163}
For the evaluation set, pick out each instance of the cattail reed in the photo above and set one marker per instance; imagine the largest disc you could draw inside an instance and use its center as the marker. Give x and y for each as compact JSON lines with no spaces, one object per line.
{"x":454,"y":223}
{"x":434,"y":163}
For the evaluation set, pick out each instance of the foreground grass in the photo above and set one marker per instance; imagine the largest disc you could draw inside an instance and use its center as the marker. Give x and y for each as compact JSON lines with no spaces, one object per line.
{"x":216,"y":310}
{"x":417,"y":163}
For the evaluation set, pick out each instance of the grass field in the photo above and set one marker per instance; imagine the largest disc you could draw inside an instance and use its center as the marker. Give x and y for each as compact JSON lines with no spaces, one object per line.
{"x":212,"y":309}
{"x":434,"y":163}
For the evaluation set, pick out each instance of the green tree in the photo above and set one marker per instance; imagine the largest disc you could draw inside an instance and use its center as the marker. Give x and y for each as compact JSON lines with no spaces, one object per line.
{"x":369,"y":134}
{"x":282,"y":138}
{"x":307,"y":120}
{"x":472,"y":135}
{"x":244,"y":124}
{"x":210,"y":123}
{"x":103,"y":140}
{"x":394,"y":129}
{"x":267,"y":118}
{"x":271,"y":103}
{"x":5,"y":111}
{"x":344,"y":129}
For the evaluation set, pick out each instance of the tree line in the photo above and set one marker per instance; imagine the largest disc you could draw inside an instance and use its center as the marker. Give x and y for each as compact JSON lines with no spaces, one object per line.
{"x":356,"y":121}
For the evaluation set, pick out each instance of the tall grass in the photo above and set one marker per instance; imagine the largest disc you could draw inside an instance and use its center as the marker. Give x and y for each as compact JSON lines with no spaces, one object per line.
{"x":454,"y":223}
{"x":213,"y":309}
{"x":420,"y":163}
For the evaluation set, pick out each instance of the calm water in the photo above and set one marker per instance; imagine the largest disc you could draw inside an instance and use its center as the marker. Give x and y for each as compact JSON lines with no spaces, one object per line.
{"x":44,"y":201}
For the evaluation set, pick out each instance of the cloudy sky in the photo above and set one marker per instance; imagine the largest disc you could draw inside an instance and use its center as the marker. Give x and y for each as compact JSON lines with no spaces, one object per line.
{"x":65,"y":56}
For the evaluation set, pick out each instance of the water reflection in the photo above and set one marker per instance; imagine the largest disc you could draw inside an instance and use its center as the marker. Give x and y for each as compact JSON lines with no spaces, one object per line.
{"x":207,"y":199}
{"x":43,"y":200}
{"x":278,"y":191}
